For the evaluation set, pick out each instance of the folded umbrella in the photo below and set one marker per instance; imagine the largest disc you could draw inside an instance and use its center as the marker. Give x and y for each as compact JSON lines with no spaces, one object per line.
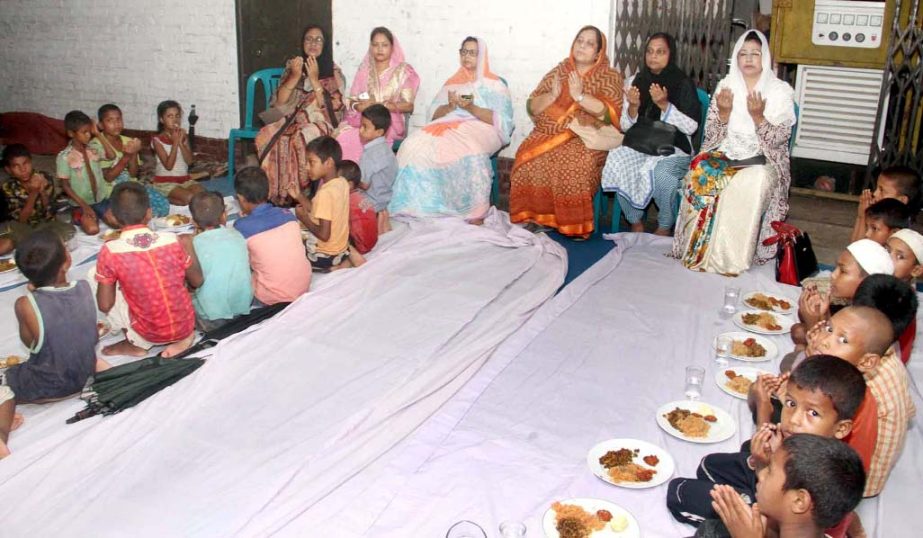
{"x":127,"y":385}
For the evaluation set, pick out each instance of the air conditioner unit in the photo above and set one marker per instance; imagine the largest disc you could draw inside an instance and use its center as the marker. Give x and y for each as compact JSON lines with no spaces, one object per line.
{"x":838,"y":110}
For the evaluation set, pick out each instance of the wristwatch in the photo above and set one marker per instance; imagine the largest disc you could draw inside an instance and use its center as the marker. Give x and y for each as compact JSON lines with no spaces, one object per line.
{"x":579,"y":98}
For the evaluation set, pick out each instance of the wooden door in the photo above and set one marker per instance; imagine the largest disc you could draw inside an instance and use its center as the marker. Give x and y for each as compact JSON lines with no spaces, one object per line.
{"x":269,"y":32}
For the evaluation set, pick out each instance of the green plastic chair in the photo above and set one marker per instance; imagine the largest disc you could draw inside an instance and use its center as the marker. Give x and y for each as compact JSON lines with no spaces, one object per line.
{"x":269,"y":79}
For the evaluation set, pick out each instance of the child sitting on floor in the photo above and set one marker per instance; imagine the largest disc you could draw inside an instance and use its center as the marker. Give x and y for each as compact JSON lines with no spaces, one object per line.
{"x":281,"y":272}
{"x":326,"y":217}
{"x":896,"y":300}
{"x":822,"y":397}
{"x":898,"y":182}
{"x":810,"y":483}
{"x":29,"y":197}
{"x":378,"y":163}
{"x":363,"y":221}
{"x":119,"y":155}
{"x":171,"y":146}
{"x":57,"y":323}
{"x":860,"y":259}
{"x":151,"y":303}
{"x":906,"y":249}
{"x":81,"y":176}
{"x":222,"y":254}
{"x":885,"y":217}
{"x":862,"y":336}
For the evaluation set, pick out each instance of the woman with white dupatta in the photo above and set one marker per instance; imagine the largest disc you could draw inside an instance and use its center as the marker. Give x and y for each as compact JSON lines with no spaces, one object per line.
{"x":728,"y":206}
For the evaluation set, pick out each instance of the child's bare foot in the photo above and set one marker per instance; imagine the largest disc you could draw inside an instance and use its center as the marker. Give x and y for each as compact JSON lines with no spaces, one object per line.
{"x":178,"y":347}
{"x":4,"y":451}
{"x":637,"y":227}
{"x":663,"y":232}
{"x":101,"y":365}
{"x":17,"y":421}
{"x":476,"y":222}
{"x":124,"y":348}
{"x":356,"y":259}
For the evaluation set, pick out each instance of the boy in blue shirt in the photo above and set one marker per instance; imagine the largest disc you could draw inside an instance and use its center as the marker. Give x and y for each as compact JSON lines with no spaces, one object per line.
{"x":378,"y":163}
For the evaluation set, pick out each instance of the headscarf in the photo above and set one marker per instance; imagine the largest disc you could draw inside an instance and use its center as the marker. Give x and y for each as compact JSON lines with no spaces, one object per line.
{"x":680,"y":89}
{"x":365,"y":81}
{"x":741,"y":141}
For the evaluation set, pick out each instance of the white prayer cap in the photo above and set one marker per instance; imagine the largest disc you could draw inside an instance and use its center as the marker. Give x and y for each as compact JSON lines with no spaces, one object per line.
{"x":872,"y":257}
{"x":913,"y":240}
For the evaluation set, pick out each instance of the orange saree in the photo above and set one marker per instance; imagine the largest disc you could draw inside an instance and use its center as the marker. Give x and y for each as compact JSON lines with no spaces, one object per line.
{"x":555,"y":176}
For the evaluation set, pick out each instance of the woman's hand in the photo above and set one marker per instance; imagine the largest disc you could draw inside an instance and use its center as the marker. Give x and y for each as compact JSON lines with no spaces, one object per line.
{"x":742,"y":521}
{"x":454,"y":101}
{"x":660,"y":97}
{"x":634,"y":101}
{"x":555,"y":88}
{"x":725,"y":102}
{"x":575,"y":85}
{"x":295,"y":66}
{"x":313,"y":71}
{"x":362,"y":104}
{"x":756,"y":105}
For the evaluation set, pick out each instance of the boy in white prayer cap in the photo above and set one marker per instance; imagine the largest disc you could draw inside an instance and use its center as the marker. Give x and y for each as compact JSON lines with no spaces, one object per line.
{"x":906,"y":248}
{"x":860,"y":259}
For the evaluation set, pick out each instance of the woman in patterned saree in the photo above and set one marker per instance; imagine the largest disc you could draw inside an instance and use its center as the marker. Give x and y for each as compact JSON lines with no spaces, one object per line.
{"x":444,"y":168}
{"x":726,"y":211}
{"x":555,"y":176}
{"x":383,"y":77}
{"x":313,"y":85}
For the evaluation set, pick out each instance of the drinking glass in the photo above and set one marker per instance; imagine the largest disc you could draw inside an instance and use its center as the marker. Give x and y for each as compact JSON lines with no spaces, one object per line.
{"x":512,"y":529}
{"x":723,"y":350}
{"x":694,"y":377}
{"x":466,"y":529}
{"x":731,"y":295}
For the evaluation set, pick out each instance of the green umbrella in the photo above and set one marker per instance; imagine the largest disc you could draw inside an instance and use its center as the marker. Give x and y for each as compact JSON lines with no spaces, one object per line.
{"x":124,"y":386}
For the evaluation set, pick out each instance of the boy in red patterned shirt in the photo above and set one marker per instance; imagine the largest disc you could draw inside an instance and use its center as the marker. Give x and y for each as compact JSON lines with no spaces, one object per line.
{"x":151,"y":269}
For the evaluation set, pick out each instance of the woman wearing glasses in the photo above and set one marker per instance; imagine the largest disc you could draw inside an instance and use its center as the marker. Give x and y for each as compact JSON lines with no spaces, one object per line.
{"x":383,"y":77}
{"x":555,"y":175}
{"x":444,"y":168}
{"x":739,"y":184}
{"x":312,"y":89}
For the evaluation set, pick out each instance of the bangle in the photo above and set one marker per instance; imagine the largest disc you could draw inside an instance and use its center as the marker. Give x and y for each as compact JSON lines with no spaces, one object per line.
{"x":579,"y":98}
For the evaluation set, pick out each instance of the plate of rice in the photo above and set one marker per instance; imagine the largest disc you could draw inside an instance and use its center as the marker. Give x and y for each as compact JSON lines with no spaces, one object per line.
{"x":696,"y":422}
{"x":736,"y":381}
{"x":585,"y":517}
{"x":762,"y":322}
{"x":174,"y":222}
{"x":749,"y":347}
{"x":630,"y":463}
{"x":766,"y":301}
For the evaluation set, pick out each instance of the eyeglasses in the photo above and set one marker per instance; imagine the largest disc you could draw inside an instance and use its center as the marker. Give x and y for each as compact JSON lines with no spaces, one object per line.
{"x":315,"y":40}
{"x":468,"y":52}
{"x":658,"y":52}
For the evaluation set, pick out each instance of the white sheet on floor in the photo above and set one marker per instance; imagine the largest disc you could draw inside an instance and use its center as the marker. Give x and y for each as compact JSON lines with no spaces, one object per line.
{"x":593,"y":364}
{"x":284,"y":413}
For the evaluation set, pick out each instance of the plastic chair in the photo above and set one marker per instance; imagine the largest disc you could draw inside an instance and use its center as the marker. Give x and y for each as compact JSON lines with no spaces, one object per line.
{"x":269,"y":79}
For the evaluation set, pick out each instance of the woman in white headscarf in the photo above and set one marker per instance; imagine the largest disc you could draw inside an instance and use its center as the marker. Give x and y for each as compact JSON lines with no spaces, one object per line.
{"x":728,"y":205}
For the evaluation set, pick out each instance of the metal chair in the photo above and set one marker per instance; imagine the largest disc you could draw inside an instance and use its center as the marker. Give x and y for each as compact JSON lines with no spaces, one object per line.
{"x":269,"y":80}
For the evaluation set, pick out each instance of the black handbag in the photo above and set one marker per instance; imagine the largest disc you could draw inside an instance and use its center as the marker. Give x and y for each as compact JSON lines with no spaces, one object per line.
{"x":652,"y":137}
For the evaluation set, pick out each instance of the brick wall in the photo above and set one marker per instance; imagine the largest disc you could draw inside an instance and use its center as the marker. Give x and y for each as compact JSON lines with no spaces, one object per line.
{"x":59,"y":55}
{"x":525,"y":40}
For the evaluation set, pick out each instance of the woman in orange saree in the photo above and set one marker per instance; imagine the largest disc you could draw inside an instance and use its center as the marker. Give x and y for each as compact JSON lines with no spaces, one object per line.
{"x":555,"y":176}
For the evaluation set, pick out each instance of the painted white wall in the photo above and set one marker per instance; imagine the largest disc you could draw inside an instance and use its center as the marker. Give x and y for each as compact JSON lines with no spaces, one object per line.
{"x":61,"y":55}
{"x":525,"y":39}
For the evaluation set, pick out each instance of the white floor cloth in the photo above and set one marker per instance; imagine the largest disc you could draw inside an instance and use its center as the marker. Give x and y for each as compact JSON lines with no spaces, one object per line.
{"x":594,"y":363}
{"x":283,"y":414}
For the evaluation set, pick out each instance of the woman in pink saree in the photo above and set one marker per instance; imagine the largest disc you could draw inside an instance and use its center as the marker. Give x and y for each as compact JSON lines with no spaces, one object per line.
{"x":383,"y":77}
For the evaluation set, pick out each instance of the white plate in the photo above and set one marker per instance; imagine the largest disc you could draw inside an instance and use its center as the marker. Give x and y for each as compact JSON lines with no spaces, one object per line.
{"x":749,"y":372}
{"x":783,"y":321}
{"x":161,"y":223}
{"x":771,"y":349}
{"x":550,"y":527}
{"x":720,"y":430}
{"x":664,"y":467}
{"x":789,"y":310}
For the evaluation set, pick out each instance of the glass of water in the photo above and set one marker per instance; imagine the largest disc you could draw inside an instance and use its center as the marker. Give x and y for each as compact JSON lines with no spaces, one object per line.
{"x":723,"y":350}
{"x":731,"y":295}
{"x":512,"y":529}
{"x":466,"y":529}
{"x":694,"y":377}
